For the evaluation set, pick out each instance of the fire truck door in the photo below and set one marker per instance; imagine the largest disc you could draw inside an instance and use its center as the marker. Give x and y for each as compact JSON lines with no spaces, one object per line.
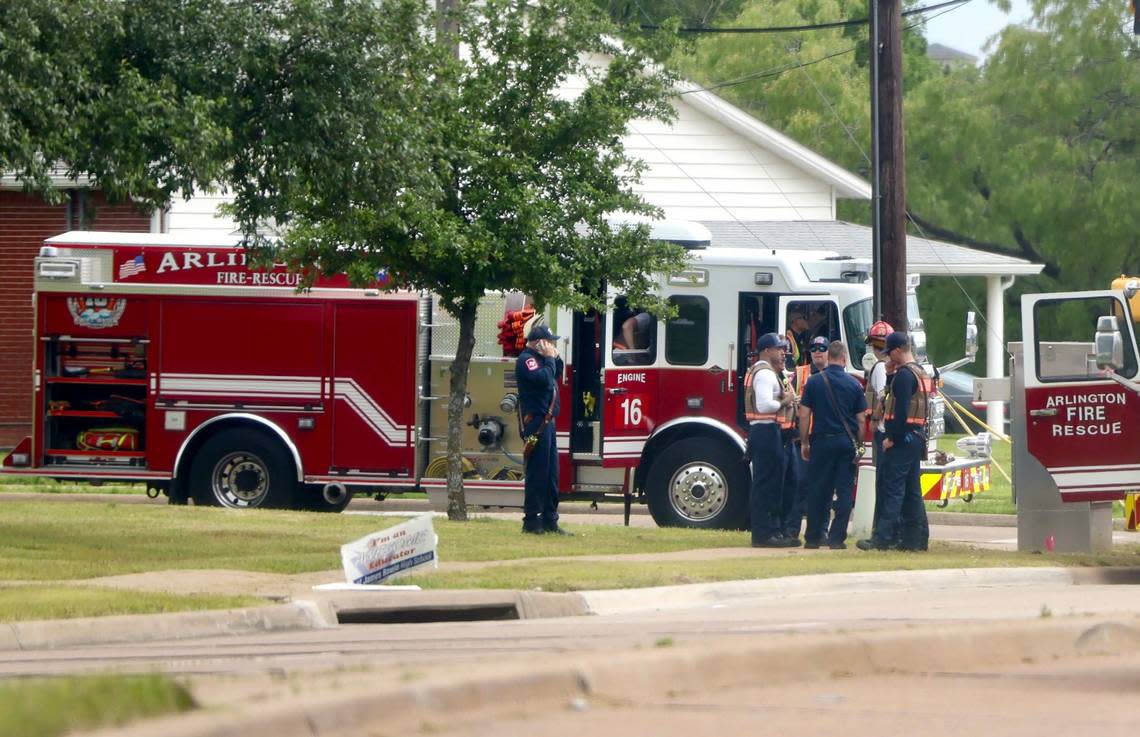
{"x":629,"y":387}
{"x":374,"y":386}
{"x":585,"y":423}
{"x":1080,"y":421}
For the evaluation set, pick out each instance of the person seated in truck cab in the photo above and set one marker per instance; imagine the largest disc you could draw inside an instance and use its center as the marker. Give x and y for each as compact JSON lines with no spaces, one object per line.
{"x":633,"y":335}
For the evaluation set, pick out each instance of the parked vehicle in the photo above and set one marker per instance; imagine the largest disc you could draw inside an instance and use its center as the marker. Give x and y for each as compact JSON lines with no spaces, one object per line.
{"x":165,"y":359}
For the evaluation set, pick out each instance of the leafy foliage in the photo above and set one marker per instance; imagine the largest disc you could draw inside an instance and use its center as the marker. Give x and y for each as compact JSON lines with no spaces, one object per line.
{"x":1033,"y":155}
{"x":80,"y":98}
{"x":380,"y":148}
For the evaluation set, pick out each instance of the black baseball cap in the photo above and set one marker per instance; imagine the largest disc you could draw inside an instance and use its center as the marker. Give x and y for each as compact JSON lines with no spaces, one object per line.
{"x":541,"y":332}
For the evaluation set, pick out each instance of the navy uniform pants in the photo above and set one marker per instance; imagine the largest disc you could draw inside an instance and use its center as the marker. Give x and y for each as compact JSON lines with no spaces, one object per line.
{"x":877,"y":457}
{"x":903,"y":519}
{"x":830,"y":473}
{"x":767,"y":479}
{"x":793,"y":493}
{"x":540,"y":489}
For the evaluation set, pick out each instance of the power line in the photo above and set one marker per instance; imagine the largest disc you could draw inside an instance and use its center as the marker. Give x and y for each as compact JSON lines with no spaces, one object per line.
{"x":777,"y":71}
{"x":811,"y":27}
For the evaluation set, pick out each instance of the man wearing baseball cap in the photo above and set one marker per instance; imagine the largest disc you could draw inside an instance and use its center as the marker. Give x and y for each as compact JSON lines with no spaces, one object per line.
{"x":903,"y":518}
{"x":795,"y":492}
{"x":769,"y":410}
{"x":537,"y":370}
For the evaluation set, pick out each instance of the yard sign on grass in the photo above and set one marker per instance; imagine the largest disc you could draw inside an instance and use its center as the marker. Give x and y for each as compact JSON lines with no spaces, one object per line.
{"x":377,"y":557}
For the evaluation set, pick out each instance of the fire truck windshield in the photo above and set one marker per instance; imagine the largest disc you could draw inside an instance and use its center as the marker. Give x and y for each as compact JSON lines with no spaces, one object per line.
{"x":857,"y":320}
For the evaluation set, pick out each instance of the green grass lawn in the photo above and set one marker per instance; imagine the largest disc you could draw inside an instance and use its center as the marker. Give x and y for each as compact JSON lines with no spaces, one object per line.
{"x":42,"y":541}
{"x":51,"y":707}
{"x":18,"y":603}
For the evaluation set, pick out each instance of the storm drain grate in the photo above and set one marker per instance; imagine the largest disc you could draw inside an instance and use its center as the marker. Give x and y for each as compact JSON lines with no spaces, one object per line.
{"x":419,"y":615}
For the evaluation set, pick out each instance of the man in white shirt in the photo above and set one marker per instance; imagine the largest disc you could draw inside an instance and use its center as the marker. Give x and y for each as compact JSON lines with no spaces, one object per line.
{"x":769,"y":410}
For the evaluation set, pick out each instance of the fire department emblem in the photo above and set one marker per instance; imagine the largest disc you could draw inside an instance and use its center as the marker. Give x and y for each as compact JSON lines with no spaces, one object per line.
{"x":96,"y":312}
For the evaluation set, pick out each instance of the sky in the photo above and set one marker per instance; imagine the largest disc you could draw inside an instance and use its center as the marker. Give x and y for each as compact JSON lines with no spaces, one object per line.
{"x":967,"y":27}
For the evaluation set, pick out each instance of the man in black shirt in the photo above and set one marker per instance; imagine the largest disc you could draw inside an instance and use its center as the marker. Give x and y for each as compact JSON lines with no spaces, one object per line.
{"x":903,"y":516}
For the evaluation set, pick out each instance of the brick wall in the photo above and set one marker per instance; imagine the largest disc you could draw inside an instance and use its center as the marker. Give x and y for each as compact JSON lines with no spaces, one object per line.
{"x":25,"y":222}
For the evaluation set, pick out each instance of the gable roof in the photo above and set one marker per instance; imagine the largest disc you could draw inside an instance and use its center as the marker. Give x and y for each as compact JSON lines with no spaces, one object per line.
{"x":845,"y":183}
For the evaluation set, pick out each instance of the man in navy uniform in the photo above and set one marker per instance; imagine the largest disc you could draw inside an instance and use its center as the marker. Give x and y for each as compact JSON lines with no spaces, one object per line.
{"x":537,"y":369}
{"x":831,"y":415}
{"x":903,"y":518}
{"x":795,"y":478}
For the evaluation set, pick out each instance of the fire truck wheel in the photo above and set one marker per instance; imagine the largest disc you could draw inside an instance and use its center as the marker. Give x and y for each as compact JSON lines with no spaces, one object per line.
{"x":698,"y":482}
{"x":243,"y":469}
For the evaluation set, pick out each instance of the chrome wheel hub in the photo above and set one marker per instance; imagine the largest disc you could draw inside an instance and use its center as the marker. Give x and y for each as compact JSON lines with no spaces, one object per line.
{"x":698,"y":491}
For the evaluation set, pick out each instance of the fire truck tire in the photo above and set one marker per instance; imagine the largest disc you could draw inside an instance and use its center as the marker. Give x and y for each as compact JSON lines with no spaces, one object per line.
{"x":698,"y":482}
{"x":243,"y":469}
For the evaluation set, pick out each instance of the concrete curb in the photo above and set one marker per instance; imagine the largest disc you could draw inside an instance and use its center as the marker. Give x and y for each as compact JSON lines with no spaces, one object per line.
{"x":132,"y":628}
{"x":329,"y":609}
{"x":624,"y":601}
{"x":971,"y":519}
{"x":771,"y":660}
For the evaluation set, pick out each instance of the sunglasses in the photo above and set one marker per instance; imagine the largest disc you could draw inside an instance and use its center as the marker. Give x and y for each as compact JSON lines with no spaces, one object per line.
{"x":818,"y":349}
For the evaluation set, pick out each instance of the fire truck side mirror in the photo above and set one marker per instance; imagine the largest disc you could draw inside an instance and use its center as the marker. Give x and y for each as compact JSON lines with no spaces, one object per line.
{"x":971,"y":336}
{"x":1109,"y":344}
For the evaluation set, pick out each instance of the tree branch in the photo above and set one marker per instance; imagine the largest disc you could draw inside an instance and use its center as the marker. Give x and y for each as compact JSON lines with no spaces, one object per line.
{"x":1025,"y":250}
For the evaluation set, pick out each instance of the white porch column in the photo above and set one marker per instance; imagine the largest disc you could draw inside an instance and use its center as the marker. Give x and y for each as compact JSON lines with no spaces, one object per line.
{"x":995,"y":346}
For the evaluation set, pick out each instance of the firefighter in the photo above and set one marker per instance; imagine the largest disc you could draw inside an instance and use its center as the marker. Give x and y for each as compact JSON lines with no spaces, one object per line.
{"x":877,"y":379}
{"x":768,"y":408}
{"x":795,"y":481}
{"x":537,"y":370}
{"x":904,"y":418}
{"x":831,"y":418}
{"x":797,"y":335}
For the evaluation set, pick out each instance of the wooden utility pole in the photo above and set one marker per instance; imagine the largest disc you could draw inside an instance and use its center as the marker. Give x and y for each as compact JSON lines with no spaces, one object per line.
{"x":888,"y":178}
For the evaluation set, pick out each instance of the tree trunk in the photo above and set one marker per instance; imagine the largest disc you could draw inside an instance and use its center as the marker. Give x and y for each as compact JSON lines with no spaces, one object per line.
{"x":456,"y":500}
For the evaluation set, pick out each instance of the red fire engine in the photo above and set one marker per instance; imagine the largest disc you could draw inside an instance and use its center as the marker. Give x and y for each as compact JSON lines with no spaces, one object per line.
{"x":165,"y":359}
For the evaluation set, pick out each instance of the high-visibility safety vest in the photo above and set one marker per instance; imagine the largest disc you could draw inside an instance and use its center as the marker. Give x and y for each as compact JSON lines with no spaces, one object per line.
{"x":803,"y":373}
{"x":783,"y":417}
{"x":919,"y":401}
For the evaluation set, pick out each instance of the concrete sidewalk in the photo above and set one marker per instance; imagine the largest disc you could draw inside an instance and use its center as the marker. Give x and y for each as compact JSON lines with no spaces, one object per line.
{"x":472,"y":693}
{"x":325,"y":609}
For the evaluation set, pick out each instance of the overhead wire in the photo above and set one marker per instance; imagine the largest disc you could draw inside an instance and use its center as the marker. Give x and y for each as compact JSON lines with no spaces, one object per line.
{"x":806,"y":27}
{"x":990,"y":331}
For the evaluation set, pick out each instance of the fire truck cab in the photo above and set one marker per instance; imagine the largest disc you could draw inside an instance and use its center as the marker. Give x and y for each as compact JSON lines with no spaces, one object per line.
{"x":1075,"y":402}
{"x":166,"y":359}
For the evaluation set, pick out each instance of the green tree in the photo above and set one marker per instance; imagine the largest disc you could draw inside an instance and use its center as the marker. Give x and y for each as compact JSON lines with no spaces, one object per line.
{"x":76,"y":98}
{"x":374,"y":146}
{"x":1036,"y":154}
{"x":691,"y":13}
{"x":812,"y":85}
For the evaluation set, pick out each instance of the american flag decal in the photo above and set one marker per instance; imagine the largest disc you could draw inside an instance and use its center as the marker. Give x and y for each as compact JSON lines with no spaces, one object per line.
{"x":133,"y":267}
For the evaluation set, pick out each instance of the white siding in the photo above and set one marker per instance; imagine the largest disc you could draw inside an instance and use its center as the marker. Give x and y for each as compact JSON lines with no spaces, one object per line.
{"x":698,"y":169}
{"x":199,"y":213}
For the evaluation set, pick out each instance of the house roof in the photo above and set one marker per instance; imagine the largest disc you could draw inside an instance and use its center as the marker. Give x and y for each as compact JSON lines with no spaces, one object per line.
{"x":939,"y":52}
{"x":924,"y":256}
{"x":846,"y":184}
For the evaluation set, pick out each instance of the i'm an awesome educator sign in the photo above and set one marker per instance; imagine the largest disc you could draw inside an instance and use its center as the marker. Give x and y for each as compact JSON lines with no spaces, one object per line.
{"x":381,"y":555}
